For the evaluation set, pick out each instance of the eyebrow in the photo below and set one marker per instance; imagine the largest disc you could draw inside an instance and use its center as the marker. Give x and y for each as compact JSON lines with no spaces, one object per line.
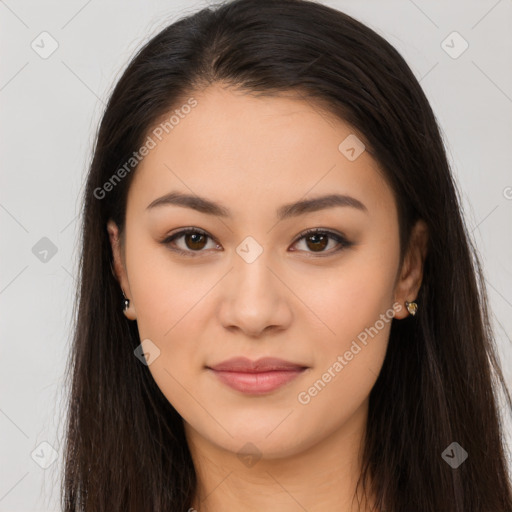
{"x":286,"y":211}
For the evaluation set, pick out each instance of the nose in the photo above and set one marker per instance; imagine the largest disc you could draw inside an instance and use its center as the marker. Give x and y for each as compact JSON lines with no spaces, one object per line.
{"x":255,"y":299}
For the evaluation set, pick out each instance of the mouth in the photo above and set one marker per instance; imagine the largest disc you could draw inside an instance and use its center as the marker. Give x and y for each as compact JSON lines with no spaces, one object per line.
{"x":256,"y":377}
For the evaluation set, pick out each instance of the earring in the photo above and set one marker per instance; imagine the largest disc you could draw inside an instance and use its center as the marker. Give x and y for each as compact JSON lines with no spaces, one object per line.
{"x":126,"y":302}
{"x":412,"y":307}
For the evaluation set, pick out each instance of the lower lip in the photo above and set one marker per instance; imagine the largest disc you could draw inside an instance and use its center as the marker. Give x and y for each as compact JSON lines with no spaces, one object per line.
{"x":257,"y":383}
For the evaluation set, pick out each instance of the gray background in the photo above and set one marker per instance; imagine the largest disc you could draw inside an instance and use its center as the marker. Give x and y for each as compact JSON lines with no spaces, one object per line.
{"x":50,"y":110}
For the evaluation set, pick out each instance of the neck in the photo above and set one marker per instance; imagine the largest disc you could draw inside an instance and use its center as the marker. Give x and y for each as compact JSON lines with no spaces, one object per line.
{"x":318,"y":478}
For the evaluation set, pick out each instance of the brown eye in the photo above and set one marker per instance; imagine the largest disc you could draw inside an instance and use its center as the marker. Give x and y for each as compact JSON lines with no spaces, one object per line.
{"x":194,"y":240}
{"x":316,"y":241}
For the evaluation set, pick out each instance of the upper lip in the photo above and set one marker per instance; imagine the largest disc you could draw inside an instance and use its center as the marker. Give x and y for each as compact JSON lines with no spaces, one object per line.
{"x":265,"y":364}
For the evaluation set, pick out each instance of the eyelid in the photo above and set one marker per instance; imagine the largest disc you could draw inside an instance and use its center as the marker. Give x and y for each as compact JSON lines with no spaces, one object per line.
{"x":343,"y":242}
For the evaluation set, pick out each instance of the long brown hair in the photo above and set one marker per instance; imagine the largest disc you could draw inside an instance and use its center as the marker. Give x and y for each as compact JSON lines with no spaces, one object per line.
{"x":125,"y":448}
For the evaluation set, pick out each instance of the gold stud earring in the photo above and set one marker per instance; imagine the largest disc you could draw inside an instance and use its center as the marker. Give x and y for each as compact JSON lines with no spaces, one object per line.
{"x":412,"y":307}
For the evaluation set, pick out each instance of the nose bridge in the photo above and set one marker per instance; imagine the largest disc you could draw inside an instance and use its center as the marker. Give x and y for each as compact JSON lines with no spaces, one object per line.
{"x":256,"y":296}
{"x":251,"y":269}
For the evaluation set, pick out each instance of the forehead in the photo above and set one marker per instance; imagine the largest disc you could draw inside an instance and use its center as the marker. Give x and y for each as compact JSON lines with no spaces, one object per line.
{"x":240,"y":149}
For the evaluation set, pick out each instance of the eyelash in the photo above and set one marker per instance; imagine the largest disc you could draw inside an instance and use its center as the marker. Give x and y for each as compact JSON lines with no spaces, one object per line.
{"x":345,"y":244}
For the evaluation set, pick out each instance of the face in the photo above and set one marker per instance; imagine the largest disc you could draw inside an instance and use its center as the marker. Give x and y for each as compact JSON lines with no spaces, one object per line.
{"x":250,"y":282}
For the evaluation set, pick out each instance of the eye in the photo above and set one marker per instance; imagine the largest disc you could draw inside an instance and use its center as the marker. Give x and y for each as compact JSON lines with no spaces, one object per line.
{"x":318,"y":240}
{"x":195,"y":240}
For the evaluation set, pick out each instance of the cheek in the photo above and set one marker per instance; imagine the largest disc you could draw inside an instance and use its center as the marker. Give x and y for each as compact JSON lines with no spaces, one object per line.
{"x":359,"y":321}
{"x":166,"y":293}
{"x":168,"y":301}
{"x":349,"y":357}
{"x":167,"y":307}
{"x":352,"y":297}
{"x":356,"y":308}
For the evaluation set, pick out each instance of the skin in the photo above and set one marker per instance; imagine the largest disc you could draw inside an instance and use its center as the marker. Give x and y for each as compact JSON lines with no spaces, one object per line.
{"x":306,"y":305}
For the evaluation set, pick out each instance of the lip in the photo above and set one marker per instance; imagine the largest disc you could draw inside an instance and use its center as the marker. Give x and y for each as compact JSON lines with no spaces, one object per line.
{"x":256,"y":377}
{"x":264,"y":364}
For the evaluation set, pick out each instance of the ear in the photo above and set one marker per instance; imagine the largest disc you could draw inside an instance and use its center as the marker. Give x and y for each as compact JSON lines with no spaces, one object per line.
{"x":411,"y":274}
{"x":119,"y":267}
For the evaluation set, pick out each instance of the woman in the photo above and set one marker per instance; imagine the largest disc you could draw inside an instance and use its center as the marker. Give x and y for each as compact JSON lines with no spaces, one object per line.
{"x":280,"y":307}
